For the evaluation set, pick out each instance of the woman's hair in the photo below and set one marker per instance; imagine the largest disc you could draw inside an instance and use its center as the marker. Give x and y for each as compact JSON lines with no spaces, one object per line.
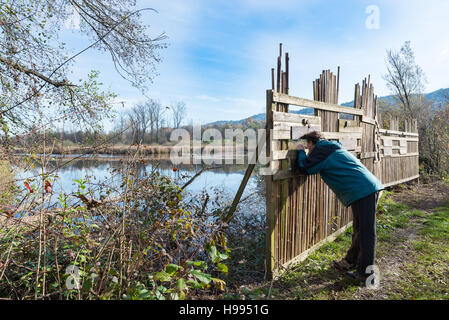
{"x":313,"y":137}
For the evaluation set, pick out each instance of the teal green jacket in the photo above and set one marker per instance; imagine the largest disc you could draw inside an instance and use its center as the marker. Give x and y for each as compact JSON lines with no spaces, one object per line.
{"x":345,"y":175}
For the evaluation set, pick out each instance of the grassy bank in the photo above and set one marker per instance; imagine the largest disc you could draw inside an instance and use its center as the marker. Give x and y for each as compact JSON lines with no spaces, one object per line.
{"x":412,"y":255}
{"x":116,"y":149}
{"x":112,"y":150}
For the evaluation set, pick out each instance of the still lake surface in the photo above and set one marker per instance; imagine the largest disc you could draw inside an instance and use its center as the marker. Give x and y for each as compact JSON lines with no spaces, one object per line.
{"x":102,"y":170}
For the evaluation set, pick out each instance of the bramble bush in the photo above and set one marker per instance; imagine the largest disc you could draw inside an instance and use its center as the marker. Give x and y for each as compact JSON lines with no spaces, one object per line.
{"x":144,"y":243}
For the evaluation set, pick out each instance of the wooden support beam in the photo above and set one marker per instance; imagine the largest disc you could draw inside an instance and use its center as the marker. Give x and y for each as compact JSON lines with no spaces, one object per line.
{"x":400,"y":133}
{"x":386,"y":185}
{"x":368,"y":120}
{"x":340,"y":135}
{"x":295,"y":118}
{"x":398,"y":155}
{"x":230,"y":214}
{"x":388,"y":140}
{"x":281,"y":134}
{"x":349,"y":126}
{"x":283,"y":98}
{"x":299,"y":131}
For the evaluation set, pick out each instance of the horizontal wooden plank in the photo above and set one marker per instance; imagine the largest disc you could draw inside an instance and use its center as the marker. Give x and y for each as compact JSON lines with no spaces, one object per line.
{"x":390,"y":138}
{"x":348,"y":143}
{"x":339,"y":135}
{"x":283,"y":98}
{"x":284,"y":154}
{"x":367,"y":155}
{"x":285,"y":126}
{"x":401,"y":133}
{"x":348,"y":126}
{"x":387,"y":142}
{"x":295,"y":118}
{"x":285,"y":174}
{"x":390,"y":147}
{"x":298,"y":132}
{"x":388,"y":151}
{"x":411,"y":139}
{"x":402,"y":150}
{"x":397,"y":155}
{"x":281,"y":134}
{"x":369,"y":120}
{"x":389,"y":184}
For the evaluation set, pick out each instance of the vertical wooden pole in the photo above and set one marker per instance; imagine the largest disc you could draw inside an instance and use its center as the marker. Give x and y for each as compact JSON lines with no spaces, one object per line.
{"x":270,"y":192}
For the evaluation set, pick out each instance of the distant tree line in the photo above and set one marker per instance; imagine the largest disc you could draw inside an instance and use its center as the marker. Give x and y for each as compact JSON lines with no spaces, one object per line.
{"x":148,"y":123}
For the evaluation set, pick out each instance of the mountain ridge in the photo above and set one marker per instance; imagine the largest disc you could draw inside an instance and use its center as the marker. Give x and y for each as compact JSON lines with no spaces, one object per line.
{"x":438,"y":96}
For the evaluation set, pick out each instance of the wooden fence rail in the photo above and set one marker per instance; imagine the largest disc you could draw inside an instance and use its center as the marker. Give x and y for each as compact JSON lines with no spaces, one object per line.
{"x":302,"y":212}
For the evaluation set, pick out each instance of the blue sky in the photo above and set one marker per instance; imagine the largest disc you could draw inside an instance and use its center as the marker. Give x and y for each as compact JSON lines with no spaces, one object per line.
{"x":220,"y":52}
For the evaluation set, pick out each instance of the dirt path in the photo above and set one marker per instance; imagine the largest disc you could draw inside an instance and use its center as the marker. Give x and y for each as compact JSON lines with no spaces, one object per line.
{"x":425,"y":197}
{"x":390,"y":265}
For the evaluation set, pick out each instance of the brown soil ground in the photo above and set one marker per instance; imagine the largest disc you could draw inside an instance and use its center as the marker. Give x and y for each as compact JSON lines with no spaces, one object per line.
{"x":425,"y":197}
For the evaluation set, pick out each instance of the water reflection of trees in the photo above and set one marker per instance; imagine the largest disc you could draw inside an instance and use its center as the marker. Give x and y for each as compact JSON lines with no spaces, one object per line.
{"x":161,"y":164}
{"x":142,"y":167}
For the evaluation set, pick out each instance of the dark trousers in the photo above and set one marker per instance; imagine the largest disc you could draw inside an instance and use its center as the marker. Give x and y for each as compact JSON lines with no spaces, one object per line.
{"x":362,"y":252}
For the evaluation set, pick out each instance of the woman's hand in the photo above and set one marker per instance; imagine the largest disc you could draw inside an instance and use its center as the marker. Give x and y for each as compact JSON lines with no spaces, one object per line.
{"x":300,"y":146}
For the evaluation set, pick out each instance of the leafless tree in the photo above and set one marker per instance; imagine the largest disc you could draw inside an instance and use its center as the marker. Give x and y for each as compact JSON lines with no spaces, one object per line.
{"x":134,"y":124}
{"x":144,"y":116}
{"x":140,"y":117}
{"x":405,"y":79}
{"x":157,"y":112}
{"x":179,"y":113}
{"x":120,"y":125}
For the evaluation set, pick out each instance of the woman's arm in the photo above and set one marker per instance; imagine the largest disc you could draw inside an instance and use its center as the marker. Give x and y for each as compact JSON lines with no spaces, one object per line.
{"x":301,"y":157}
{"x":309,"y":164}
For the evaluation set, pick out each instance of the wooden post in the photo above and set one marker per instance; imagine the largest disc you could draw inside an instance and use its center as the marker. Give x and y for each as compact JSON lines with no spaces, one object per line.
{"x":270,"y":192}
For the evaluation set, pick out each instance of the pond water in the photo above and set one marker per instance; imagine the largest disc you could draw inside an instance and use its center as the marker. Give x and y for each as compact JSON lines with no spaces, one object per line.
{"x":103,"y":170}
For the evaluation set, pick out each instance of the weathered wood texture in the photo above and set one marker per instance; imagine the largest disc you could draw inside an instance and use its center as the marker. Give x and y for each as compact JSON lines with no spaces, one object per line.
{"x":301,"y":210}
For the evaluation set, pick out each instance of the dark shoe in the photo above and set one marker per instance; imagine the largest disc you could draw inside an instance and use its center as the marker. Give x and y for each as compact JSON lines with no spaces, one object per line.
{"x":343,"y":265}
{"x":362,"y":278}
{"x":359,"y":277}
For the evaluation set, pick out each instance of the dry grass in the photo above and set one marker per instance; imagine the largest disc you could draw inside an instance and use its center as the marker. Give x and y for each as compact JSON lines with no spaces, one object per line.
{"x":114,"y":149}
